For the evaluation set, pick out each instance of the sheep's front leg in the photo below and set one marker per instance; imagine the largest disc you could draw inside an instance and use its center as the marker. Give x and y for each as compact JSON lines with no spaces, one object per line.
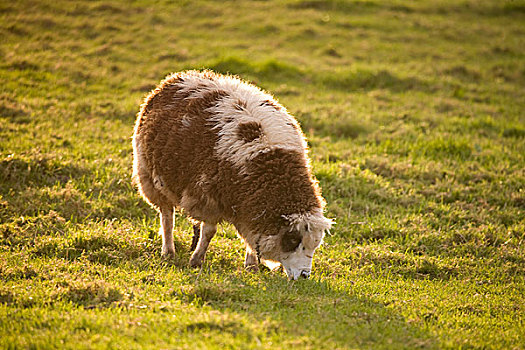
{"x":251,"y":262}
{"x":166,"y":228}
{"x":207,"y":233}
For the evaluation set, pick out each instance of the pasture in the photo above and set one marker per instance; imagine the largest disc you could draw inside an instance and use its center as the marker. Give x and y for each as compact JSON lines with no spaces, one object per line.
{"x":414,"y":113}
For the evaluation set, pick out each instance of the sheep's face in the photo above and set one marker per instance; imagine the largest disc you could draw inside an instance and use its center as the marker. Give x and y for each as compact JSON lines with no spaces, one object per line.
{"x":298,"y":245}
{"x":298,"y":263}
{"x":294,"y":245}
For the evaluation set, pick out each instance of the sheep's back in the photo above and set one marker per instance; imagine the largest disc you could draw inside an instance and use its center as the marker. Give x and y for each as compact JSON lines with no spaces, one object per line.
{"x":204,"y":135}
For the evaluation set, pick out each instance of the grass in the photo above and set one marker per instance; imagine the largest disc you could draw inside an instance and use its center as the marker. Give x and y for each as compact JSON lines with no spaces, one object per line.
{"x":414,"y":114}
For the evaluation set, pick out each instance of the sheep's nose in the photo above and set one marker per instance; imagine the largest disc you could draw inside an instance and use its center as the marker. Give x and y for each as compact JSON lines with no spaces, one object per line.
{"x":305,"y":274}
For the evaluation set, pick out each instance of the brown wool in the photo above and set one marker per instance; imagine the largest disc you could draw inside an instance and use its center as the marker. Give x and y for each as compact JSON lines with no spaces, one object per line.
{"x":176,"y":163}
{"x":249,"y":131}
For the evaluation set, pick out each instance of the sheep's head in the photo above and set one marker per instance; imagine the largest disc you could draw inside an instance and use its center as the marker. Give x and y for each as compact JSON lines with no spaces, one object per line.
{"x":299,"y":239}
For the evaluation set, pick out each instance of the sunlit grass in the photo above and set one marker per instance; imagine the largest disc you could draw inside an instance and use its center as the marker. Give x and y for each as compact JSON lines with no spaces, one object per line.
{"x":414,"y":115}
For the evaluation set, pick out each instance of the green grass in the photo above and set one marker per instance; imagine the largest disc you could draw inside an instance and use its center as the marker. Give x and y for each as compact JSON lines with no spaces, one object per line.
{"x":414,"y":112}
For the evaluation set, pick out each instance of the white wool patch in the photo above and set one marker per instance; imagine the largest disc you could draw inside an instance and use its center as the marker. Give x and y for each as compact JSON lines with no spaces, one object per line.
{"x":245,"y":103}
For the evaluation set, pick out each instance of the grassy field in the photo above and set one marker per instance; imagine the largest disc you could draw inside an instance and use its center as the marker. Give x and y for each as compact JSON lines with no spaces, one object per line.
{"x":414,"y":112}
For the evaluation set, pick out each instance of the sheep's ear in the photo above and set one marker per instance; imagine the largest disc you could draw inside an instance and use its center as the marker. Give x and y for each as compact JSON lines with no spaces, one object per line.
{"x":327,"y":223}
{"x":318,"y":224}
{"x":309,"y":222}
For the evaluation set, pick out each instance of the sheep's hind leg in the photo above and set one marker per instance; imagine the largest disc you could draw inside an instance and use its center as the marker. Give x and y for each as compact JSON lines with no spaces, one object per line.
{"x":206,"y":234}
{"x":166,"y":228}
{"x":251,"y":261}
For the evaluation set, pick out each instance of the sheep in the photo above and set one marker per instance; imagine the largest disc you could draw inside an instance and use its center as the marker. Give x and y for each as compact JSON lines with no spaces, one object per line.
{"x":222,"y":150}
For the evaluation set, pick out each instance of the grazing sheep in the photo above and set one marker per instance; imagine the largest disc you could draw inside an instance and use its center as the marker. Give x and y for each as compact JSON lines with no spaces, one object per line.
{"x":223,"y":150}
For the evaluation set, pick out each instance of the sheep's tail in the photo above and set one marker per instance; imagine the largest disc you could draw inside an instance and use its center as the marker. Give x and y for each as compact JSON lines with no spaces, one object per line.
{"x":196,"y":236}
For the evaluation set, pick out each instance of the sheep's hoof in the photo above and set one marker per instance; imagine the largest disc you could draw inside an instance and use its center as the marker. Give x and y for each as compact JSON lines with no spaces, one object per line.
{"x":252,"y":268}
{"x":168,"y":254}
{"x":196,"y":261}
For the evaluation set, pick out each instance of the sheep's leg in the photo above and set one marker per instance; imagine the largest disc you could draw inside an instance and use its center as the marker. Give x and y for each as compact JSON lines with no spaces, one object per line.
{"x":207,"y":233}
{"x":251,"y":262}
{"x":166,"y":228}
{"x":196,"y":236}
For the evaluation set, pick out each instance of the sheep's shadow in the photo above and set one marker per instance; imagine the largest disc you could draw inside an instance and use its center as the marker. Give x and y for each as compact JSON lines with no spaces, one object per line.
{"x":316,"y":312}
